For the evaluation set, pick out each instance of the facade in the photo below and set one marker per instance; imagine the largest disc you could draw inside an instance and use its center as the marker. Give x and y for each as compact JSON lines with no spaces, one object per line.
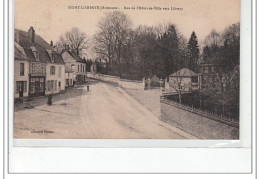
{"x":55,"y":74}
{"x":75,"y":67}
{"x":21,"y":75}
{"x":184,"y":80}
{"x":42,"y":59}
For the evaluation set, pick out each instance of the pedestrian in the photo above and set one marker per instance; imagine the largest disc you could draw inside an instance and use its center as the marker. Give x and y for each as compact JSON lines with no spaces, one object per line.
{"x":49,"y":102}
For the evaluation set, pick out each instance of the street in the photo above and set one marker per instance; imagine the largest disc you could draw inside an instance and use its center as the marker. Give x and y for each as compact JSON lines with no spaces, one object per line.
{"x":104,"y":112}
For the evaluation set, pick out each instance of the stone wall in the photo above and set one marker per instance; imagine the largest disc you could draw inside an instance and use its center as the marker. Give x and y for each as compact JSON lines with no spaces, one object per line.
{"x":131,"y":84}
{"x":124,"y":83}
{"x":197,"y":125}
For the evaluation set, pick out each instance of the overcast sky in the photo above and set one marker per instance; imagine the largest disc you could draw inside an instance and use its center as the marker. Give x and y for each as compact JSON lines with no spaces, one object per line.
{"x":51,"y":18}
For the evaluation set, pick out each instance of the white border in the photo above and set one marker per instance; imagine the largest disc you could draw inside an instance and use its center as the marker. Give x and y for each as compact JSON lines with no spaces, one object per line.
{"x":185,"y":160}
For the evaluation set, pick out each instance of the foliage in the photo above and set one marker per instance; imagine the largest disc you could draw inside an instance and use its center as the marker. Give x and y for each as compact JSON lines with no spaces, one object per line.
{"x":193,"y":50}
{"x":77,"y":41}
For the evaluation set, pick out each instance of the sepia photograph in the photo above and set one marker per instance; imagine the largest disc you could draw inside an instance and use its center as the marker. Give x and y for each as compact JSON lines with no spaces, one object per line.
{"x":126,"y":70}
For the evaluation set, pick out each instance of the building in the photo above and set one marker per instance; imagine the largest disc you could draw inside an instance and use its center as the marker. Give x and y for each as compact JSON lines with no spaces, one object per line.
{"x":184,"y":80}
{"x":75,"y":67}
{"x":207,"y":76}
{"x":21,"y":75}
{"x":46,"y":66}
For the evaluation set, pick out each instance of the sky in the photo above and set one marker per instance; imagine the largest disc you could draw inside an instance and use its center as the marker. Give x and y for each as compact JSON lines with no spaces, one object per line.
{"x":51,"y":18}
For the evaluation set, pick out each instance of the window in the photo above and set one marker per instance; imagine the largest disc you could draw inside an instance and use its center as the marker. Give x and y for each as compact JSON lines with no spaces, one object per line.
{"x":59,"y":71}
{"x":52,"y":70}
{"x":194,"y":79}
{"x":21,"y":86}
{"x":73,"y":67}
{"x":21,"y":69}
{"x":78,"y":68}
{"x":83,"y":68}
{"x":51,"y":85}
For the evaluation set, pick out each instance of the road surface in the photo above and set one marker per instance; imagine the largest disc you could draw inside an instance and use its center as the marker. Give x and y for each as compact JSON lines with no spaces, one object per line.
{"x":103,"y":112}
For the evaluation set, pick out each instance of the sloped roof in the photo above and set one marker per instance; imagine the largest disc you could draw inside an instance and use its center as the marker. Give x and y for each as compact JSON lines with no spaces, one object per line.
{"x":58,"y":58}
{"x":74,"y":56}
{"x":184,"y":72}
{"x":21,"y":37}
{"x":18,"y":54}
{"x":29,"y":54}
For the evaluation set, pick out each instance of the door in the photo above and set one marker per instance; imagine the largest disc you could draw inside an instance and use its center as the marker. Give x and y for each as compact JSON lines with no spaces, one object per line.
{"x":20,"y":88}
{"x":37,"y":86}
{"x":59,"y":86}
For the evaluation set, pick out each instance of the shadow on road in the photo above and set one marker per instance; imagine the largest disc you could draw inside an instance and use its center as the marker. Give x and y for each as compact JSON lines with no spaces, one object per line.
{"x":70,"y":92}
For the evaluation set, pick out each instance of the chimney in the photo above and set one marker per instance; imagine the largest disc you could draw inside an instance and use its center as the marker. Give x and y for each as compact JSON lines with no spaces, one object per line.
{"x":31,"y":34}
{"x":51,"y":43}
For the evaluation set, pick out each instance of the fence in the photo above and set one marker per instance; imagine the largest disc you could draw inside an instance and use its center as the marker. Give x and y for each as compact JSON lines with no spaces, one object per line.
{"x":210,"y":115}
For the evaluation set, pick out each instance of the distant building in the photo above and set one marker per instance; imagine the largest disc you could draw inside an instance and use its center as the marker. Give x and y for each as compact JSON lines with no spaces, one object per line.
{"x":46,"y":66}
{"x":207,"y":76}
{"x":185,"y":80}
{"x":93,"y":67}
{"x":75,"y":67}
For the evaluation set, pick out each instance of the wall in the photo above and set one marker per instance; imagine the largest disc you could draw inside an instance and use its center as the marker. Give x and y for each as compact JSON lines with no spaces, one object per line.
{"x":110,"y":78}
{"x":197,"y":125}
{"x":55,"y":76}
{"x":17,"y":76}
{"x":131,"y":84}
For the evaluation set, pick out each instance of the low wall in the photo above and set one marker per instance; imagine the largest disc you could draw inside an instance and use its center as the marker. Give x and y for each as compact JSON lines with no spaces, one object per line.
{"x":124,"y":83}
{"x":131,"y":84}
{"x":114,"y":79}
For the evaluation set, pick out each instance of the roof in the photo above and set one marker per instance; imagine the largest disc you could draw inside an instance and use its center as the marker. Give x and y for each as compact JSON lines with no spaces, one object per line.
{"x":21,"y":37}
{"x":74,"y":56}
{"x":29,"y":54}
{"x":58,"y":58}
{"x":184,"y":72}
{"x":18,"y":54}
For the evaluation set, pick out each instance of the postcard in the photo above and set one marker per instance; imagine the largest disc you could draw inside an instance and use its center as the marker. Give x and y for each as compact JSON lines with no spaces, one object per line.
{"x":126,"y":70}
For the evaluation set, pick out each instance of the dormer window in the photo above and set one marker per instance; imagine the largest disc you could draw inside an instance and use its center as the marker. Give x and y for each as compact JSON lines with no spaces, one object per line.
{"x":35,"y":53}
{"x":51,"y":55}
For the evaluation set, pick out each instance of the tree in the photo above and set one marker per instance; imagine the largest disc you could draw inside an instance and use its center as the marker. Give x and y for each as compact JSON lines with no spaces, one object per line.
{"x":169,"y":51}
{"x":112,"y":34}
{"x":146,"y":50}
{"x":193,"y":49}
{"x":231,"y":49}
{"x":77,"y":41}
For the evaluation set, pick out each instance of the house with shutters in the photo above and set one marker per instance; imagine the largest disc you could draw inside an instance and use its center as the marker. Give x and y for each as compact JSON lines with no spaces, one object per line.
{"x":21,"y":75}
{"x":46,"y":73}
{"x":75,"y":67}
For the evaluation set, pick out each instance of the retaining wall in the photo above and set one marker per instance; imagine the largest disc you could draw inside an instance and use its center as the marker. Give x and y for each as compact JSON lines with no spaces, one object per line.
{"x":124,"y":83}
{"x":131,"y":84}
{"x":196,"y":124}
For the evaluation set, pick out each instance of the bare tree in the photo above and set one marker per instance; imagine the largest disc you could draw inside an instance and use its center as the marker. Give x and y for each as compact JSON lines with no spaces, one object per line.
{"x":112,"y":33}
{"x":77,"y":41}
{"x":179,"y":84}
{"x":214,"y":39}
